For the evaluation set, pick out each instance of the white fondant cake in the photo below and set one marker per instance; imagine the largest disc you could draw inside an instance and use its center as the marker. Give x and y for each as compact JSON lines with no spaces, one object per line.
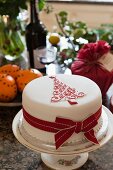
{"x":36,"y":100}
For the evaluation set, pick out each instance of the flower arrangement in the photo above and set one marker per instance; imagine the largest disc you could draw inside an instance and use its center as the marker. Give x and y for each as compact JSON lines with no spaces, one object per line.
{"x":11,"y":29}
{"x":78,"y":34}
{"x":66,"y":57}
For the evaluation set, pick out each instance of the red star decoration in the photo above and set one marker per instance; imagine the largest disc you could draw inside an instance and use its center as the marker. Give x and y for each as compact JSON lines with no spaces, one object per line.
{"x":63,"y":92}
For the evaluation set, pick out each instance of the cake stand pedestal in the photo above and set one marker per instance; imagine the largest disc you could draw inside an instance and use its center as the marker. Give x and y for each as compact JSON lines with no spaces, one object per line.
{"x":62,"y":160}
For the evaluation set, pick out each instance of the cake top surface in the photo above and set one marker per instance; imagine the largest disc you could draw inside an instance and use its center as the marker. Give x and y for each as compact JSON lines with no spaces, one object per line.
{"x":38,"y":97}
{"x":42,"y":90}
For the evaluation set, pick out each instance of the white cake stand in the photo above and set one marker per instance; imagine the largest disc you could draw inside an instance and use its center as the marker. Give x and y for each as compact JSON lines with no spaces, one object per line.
{"x":61,"y":160}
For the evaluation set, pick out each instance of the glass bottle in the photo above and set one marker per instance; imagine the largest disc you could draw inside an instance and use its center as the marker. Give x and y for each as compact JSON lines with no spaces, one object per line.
{"x":35,"y":36}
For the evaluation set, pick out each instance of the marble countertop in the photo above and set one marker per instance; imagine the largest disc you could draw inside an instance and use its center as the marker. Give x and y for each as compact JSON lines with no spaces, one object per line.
{"x":14,"y":156}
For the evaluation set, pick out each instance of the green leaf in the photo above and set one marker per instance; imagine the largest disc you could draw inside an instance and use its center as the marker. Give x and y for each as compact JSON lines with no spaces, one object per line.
{"x":63,"y":13}
{"x":41,"y":4}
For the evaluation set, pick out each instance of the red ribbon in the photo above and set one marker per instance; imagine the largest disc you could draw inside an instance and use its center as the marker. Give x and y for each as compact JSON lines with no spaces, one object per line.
{"x":64,"y":128}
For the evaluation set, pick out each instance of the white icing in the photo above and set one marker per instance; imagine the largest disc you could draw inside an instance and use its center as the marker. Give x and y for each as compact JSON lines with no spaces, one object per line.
{"x":36,"y":100}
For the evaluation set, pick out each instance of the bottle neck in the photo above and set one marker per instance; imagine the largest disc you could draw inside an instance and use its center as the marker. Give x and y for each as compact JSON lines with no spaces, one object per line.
{"x":33,"y":11}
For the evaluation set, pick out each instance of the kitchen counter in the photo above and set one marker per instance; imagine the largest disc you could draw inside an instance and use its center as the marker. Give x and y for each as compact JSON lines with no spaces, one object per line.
{"x":106,"y":2}
{"x":14,"y":156}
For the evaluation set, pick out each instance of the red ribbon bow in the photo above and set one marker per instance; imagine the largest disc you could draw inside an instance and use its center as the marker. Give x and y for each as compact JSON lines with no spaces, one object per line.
{"x":64,"y":128}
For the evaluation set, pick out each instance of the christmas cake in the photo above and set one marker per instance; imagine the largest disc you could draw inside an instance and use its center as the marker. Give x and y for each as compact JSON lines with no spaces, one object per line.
{"x":63,"y":112}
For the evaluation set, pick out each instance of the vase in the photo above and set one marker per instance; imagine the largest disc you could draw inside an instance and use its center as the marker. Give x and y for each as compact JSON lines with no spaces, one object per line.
{"x":12,"y":42}
{"x":22,"y":60}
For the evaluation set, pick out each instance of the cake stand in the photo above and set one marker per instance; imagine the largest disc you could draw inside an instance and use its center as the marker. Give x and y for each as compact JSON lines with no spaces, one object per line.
{"x":63,"y":160}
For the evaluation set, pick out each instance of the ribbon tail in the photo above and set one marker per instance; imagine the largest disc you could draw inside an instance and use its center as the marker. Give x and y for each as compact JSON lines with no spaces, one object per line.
{"x":91,"y":136}
{"x":62,"y":136}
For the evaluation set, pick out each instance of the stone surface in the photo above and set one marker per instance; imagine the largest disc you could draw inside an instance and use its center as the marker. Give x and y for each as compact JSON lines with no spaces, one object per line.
{"x":14,"y":156}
